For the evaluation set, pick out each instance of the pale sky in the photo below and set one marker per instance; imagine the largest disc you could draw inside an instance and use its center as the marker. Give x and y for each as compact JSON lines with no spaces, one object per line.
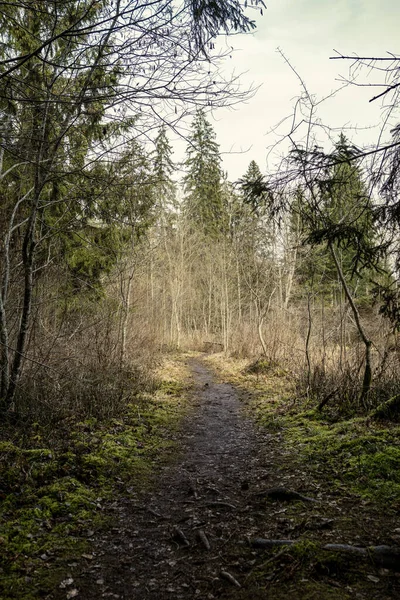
{"x":306,"y":31}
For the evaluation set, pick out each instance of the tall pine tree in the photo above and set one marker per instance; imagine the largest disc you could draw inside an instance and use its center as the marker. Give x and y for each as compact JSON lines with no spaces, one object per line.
{"x":339,"y":212}
{"x":163,"y":168}
{"x":203,"y":202}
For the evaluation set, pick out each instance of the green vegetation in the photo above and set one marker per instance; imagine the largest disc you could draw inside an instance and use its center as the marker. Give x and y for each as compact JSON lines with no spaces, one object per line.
{"x":362,"y":455}
{"x":55,"y":485}
{"x":203,"y":203}
{"x":358,"y":453}
{"x":105,"y":262}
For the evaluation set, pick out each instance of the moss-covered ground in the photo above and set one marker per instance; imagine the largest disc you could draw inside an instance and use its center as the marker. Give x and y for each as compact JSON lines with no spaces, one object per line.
{"x":55,"y":483}
{"x":360,"y":453}
{"x":350,"y":464}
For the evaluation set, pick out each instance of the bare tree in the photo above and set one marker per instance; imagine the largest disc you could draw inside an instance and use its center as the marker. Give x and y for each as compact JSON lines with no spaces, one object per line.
{"x":77,"y":79}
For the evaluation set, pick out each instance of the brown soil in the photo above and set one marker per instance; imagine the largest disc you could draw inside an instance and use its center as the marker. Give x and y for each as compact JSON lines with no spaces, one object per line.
{"x":212,"y":488}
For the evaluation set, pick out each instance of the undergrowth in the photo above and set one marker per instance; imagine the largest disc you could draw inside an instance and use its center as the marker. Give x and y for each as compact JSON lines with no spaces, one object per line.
{"x":358,"y":452}
{"x":55,"y":484}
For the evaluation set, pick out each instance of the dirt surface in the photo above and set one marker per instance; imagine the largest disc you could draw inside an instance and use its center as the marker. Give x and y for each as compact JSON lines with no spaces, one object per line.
{"x":158,"y":548}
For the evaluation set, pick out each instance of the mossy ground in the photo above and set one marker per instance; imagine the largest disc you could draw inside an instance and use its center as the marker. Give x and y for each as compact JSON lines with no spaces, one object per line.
{"x":350,"y":463}
{"x":55,"y":484}
{"x":361,"y":453}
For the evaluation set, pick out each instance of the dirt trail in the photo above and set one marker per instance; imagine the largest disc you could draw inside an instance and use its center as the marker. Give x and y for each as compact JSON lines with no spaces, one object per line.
{"x":210,"y":489}
{"x":206,"y":491}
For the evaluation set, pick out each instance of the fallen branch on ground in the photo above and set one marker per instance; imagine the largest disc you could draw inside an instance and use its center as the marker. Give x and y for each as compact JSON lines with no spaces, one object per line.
{"x":280,"y":493}
{"x":230,"y":578}
{"x":203,"y":539}
{"x":220,"y":504}
{"x":180,"y":536}
{"x":387,"y":410}
{"x":384,"y":556}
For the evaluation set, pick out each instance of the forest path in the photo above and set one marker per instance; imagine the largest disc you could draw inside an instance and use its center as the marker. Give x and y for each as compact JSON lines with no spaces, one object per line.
{"x":205,"y":490}
{"x":158,"y":548}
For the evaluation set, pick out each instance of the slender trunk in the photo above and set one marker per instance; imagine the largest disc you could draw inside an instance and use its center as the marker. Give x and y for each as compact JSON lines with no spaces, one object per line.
{"x":4,"y":350}
{"x":341,"y":330}
{"x":261,"y":314}
{"x":289,"y":283}
{"x":261,"y":336}
{"x":239,"y":291}
{"x":27,"y":255}
{"x":5,"y":358}
{"x":40,"y":129}
{"x":126,"y":299}
{"x":309,"y":328}
{"x":226,"y":303}
{"x":367,"y":379}
{"x":323,"y":334}
{"x":209,"y":299}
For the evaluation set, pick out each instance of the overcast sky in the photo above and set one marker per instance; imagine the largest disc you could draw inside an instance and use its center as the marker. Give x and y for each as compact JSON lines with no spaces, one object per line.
{"x":306,"y":31}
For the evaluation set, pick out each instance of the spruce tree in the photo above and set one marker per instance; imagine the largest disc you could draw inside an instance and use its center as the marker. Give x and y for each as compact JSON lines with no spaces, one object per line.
{"x":339,"y":212}
{"x":252,"y":176}
{"x":254,"y":212}
{"x":203,"y":202}
{"x":163,"y":168}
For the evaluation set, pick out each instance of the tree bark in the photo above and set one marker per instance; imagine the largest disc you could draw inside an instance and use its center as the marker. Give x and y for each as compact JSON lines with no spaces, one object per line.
{"x":367,"y":379}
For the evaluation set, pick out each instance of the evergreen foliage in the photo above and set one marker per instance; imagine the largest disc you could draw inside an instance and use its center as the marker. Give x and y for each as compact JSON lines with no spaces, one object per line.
{"x":254,"y":189}
{"x":72,"y":74}
{"x":203,"y":202}
{"x":163,"y":169}
{"x":338,"y":211}
{"x":117,"y":207}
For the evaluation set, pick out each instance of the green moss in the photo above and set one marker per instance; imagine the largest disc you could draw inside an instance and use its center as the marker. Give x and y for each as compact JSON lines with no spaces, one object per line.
{"x":7,"y":449}
{"x":359,"y":451}
{"x":365,"y":455}
{"x":172,"y":387}
{"x":55,"y":484}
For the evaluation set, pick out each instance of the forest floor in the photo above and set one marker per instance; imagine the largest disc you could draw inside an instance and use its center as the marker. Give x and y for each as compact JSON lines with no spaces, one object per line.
{"x":190,"y":533}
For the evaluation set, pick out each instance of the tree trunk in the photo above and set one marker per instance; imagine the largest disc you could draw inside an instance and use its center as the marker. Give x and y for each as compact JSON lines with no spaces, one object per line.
{"x":308,"y":343}
{"x":260,"y":335}
{"x":367,"y":379}
{"x":27,"y":254}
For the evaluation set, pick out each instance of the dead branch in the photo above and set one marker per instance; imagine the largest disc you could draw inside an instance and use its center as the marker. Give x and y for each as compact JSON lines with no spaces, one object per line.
{"x":383,"y":556}
{"x":203,"y":539}
{"x":230,"y":578}
{"x":282,"y":494}
{"x":180,"y":536}
{"x":220,"y":504}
